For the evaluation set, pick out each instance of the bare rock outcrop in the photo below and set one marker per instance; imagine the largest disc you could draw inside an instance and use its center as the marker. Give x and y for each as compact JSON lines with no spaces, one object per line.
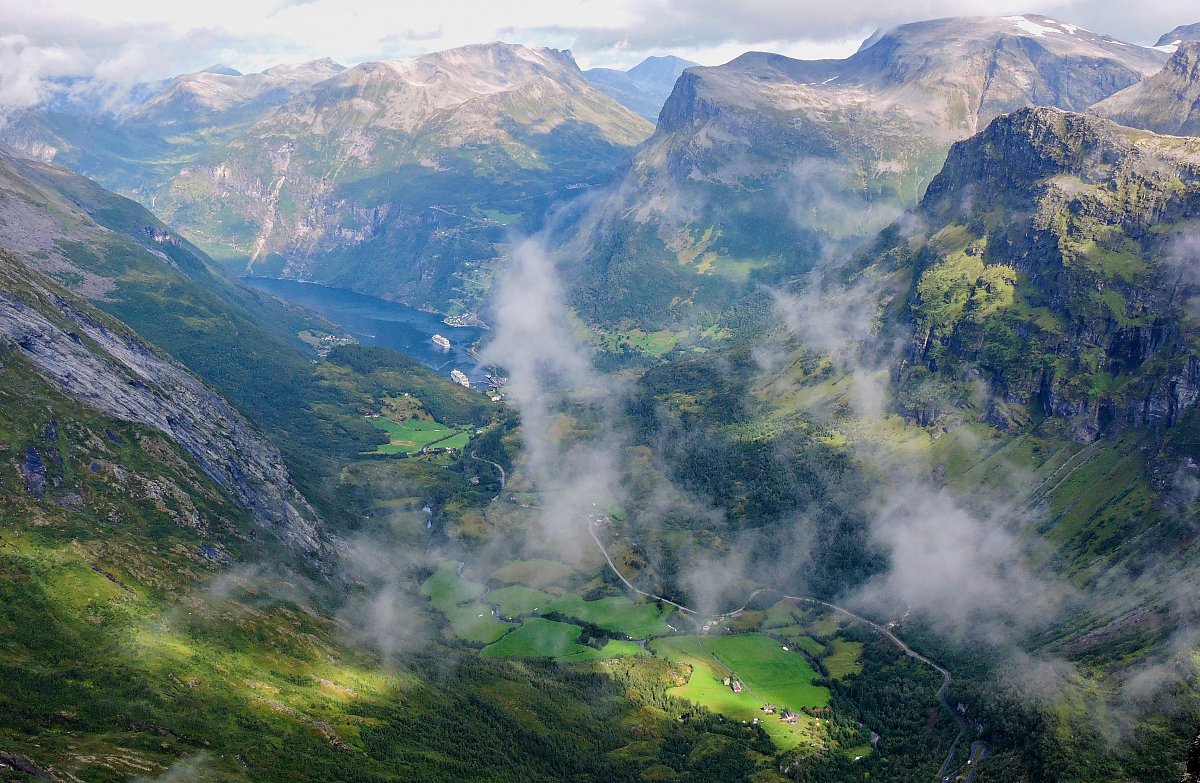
{"x":108,"y":368}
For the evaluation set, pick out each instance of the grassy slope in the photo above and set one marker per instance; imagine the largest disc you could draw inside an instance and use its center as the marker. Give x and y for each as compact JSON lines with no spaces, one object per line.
{"x":125,"y":649}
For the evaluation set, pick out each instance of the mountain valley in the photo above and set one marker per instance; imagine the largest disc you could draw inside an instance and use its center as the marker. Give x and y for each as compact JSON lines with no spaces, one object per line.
{"x":798,"y":420}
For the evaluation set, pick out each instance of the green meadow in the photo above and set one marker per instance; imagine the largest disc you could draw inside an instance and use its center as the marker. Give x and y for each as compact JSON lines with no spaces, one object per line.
{"x":411,"y":435}
{"x":538,"y":637}
{"x":617,"y":614}
{"x":784,"y":679}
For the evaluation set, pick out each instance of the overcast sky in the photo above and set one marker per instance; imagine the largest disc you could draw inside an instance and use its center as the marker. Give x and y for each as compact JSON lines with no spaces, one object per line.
{"x":126,"y":41}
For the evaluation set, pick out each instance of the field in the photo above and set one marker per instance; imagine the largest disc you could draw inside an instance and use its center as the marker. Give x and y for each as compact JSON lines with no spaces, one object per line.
{"x":784,"y":613}
{"x":518,"y":600}
{"x":474,"y":622}
{"x":542,"y":638}
{"x":537,"y":638}
{"x":453,"y":596}
{"x":469,"y":613}
{"x":412,"y":435}
{"x":536,"y":572}
{"x":446,"y":589}
{"x":806,"y":643}
{"x":770,"y":675}
{"x":618,"y":614}
{"x":826,"y":625}
{"x":844,"y":659}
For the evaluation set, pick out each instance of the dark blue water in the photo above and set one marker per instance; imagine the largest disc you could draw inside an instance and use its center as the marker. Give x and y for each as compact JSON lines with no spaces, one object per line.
{"x":375,"y":321}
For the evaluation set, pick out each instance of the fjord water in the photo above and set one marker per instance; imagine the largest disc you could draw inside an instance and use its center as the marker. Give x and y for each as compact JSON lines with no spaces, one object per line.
{"x":374,"y":321}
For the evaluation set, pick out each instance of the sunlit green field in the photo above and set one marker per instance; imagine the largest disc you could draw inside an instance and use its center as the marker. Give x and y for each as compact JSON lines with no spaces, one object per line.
{"x":518,"y":600}
{"x":445,"y":588}
{"x":770,"y":674}
{"x":412,"y":435}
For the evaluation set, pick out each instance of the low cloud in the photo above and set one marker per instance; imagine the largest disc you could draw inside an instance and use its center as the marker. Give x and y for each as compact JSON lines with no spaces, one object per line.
{"x":677,"y":24}
{"x":963,"y":572}
{"x":193,"y":769}
{"x":26,"y":70}
{"x":382,"y":610}
{"x":568,"y":410}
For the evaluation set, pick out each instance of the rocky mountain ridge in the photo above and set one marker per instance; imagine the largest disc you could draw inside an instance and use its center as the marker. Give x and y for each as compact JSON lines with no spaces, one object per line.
{"x":1053,"y":263}
{"x":1184,"y":32}
{"x":827,"y":152}
{"x":1167,"y":102}
{"x":396,"y":177}
{"x":211,"y":96}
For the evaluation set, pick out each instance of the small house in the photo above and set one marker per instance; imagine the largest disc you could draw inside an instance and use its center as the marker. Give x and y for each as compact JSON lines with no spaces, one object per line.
{"x":769,"y":709}
{"x":789,"y":717}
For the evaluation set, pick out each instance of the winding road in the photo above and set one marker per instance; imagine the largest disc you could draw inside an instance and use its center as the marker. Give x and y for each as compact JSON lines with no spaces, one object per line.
{"x":497,"y":466}
{"x":978,"y":749}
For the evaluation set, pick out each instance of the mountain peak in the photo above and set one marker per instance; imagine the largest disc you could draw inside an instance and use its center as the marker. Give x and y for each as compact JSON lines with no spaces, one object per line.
{"x":494,"y":52}
{"x":1184,"y":32}
{"x":1167,"y":102}
{"x":222,"y":70}
{"x":952,"y":35}
{"x":1022,"y":148}
{"x":656,"y":67}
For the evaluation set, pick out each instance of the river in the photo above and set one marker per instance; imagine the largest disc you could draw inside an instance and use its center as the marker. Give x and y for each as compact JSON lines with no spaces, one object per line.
{"x":374,"y":321}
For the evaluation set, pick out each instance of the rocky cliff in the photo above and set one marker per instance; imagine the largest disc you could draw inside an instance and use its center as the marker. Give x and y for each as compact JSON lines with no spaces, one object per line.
{"x":1191,"y":772}
{"x":84,"y":268}
{"x":1184,"y":32}
{"x":1167,"y":102}
{"x":100,"y":363}
{"x":1055,"y":263}
{"x":760,"y":166}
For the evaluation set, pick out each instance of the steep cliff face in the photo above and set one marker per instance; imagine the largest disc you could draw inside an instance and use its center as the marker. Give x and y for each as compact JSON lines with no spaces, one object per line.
{"x":1056,"y":263}
{"x":107,"y":368}
{"x":1167,"y":102}
{"x":65,"y":233}
{"x":763,"y":165}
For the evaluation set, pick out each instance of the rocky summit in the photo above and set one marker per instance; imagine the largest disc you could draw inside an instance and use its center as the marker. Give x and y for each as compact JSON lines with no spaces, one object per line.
{"x":1184,"y":32}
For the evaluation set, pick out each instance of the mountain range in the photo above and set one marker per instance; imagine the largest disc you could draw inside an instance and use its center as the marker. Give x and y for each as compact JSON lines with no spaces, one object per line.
{"x":414,"y":168}
{"x":1167,"y":102}
{"x":902,"y":428}
{"x":760,"y":167}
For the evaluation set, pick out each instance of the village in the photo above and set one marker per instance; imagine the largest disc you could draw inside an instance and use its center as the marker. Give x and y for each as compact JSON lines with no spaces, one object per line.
{"x":785,"y":716}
